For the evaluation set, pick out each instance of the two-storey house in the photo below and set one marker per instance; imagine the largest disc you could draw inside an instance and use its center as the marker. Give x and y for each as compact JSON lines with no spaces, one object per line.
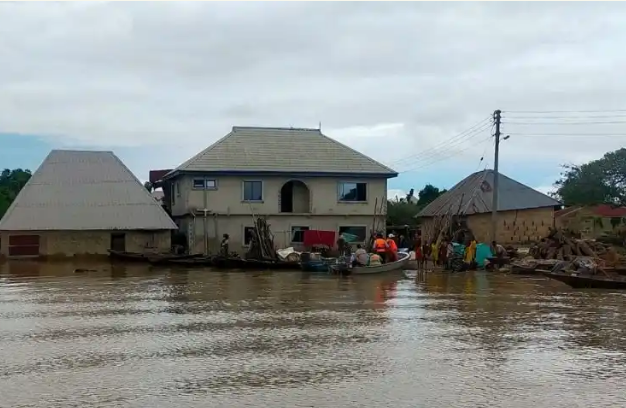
{"x":299,"y":179}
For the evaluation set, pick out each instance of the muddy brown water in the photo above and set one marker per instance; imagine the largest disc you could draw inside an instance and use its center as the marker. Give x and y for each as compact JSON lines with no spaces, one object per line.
{"x":131,"y":336}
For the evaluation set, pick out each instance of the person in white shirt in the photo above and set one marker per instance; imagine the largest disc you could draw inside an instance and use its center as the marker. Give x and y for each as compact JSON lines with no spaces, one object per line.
{"x":360,"y":257}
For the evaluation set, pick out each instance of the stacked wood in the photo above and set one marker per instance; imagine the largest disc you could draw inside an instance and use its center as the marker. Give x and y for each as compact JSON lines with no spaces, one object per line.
{"x":566,"y":245}
{"x":262,"y":242}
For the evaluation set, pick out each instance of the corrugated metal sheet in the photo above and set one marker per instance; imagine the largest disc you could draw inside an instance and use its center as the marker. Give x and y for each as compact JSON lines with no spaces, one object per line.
{"x":84,"y":190}
{"x":284,"y":150}
{"x":475,"y":194}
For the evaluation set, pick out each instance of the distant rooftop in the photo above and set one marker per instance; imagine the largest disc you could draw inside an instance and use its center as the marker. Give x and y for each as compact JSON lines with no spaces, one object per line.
{"x":474,"y":195}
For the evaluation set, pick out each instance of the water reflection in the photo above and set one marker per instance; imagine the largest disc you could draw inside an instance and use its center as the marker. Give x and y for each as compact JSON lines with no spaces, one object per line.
{"x":128,"y":335}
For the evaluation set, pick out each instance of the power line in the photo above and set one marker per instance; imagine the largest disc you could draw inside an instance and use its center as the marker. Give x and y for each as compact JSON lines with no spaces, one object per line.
{"x":565,"y":117}
{"x":466,"y":134}
{"x":567,"y":134}
{"x":441,"y":159}
{"x":569,"y":111}
{"x":564,"y":123}
{"x":444,"y":149}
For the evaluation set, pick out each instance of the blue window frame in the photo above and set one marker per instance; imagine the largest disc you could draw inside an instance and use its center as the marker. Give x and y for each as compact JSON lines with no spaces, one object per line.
{"x":253,"y":191}
{"x":352,"y":192}
{"x":204,"y":184}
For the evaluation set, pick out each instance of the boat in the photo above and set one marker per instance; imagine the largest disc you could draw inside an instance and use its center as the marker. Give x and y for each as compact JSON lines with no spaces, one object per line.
{"x":127,"y":256}
{"x":316,"y":265}
{"x":315,"y":262}
{"x":533,"y":267}
{"x":194,"y":261}
{"x":587,"y":281}
{"x":220,"y":262}
{"x":524,"y":269}
{"x":400,"y":264}
{"x":167,"y":258}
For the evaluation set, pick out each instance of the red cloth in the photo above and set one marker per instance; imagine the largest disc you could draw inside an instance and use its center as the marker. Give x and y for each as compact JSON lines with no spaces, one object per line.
{"x":319,"y":237}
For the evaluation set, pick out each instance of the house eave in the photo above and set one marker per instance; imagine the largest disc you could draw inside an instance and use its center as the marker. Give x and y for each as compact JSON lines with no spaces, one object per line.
{"x":252,"y":173}
{"x":469,"y":213}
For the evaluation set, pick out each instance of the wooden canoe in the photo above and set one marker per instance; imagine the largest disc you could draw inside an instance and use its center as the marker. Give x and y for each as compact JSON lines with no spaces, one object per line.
{"x":585,"y":281}
{"x":195,"y":261}
{"x":221,"y":262}
{"x":167,"y":258}
{"x":127,"y":256}
{"x":400,"y":264}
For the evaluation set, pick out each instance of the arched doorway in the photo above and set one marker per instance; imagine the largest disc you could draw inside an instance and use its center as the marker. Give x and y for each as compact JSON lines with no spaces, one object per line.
{"x":295,"y":197}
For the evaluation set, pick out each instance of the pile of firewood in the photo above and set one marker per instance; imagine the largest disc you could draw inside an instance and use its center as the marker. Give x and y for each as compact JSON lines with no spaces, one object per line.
{"x":566,"y":245}
{"x":262,"y":242}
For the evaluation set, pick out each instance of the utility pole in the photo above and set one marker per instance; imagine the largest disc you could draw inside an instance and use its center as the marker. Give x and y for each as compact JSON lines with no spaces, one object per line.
{"x":496,"y":176}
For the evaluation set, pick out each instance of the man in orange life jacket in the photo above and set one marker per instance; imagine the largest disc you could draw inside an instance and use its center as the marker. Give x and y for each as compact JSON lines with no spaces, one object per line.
{"x":392,"y":252}
{"x":381,"y":247}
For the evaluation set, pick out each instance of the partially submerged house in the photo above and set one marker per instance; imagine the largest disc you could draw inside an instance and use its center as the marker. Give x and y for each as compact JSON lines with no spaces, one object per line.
{"x":83,"y":202}
{"x":524,"y":214}
{"x":592,"y":221}
{"x":299,"y":179}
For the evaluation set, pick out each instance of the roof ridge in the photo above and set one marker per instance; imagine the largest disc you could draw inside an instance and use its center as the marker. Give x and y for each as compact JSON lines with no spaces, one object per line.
{"x":235,"y":128}
{"x":81,"y":151}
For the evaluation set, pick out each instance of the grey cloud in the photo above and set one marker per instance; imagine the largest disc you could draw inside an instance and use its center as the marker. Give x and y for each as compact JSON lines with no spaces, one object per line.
{"x":159,"y":73}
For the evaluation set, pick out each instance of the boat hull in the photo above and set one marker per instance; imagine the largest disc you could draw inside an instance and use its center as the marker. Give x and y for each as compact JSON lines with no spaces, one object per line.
{"x":314,"y":266}
{"x":252,"y":264}
{"x":400,"y":264}
{"x":127,"y":256}
{"x":587,"y":281}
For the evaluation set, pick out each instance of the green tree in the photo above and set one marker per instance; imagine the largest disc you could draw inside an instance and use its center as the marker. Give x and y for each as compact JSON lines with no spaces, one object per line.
{"x":601,"y":181}
{"x":428,"y":194}
{"x":402,"y":211}
{"x":11,"y":182}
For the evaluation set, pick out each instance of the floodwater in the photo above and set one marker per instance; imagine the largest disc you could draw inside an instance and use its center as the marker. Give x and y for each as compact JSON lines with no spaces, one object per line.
{"x":139,"y":337}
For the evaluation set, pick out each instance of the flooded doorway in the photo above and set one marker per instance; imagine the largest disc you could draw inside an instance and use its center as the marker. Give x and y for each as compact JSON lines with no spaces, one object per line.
{"x":118,"y":241}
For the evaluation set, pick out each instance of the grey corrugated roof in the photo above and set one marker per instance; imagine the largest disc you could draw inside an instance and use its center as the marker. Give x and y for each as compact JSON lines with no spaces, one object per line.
{"x":282,"y":150}
{"x":477,"y":190}
{"x":84,"y":190}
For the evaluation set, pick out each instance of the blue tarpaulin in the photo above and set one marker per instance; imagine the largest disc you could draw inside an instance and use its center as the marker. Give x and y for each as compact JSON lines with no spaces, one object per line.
{"x":483,"y":251}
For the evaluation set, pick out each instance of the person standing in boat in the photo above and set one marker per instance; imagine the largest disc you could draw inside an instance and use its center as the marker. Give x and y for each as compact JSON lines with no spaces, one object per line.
{"x":224,"y":246}
{"x":392,"y":252}
{"x":380,"y":247}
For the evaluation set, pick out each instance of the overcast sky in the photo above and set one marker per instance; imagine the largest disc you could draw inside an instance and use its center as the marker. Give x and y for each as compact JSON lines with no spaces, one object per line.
{"x":397,"y":81}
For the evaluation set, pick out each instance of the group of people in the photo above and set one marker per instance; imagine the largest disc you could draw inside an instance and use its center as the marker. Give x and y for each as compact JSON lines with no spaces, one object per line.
{"x":439,"y":255}
{"x":383,"y":250}
{"x":442,"y":254}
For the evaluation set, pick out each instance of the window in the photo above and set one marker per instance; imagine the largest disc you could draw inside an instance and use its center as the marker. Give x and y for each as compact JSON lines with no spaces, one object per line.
{"x":297,"y":234}
{"x":204,"y":184}
{"x":177,"y":188}
{"x":352,"y":192}
{"x":198,"y":184}
{"x":252,"y":191}
{"x":248,"y":233}
{"x":359,"y":232}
